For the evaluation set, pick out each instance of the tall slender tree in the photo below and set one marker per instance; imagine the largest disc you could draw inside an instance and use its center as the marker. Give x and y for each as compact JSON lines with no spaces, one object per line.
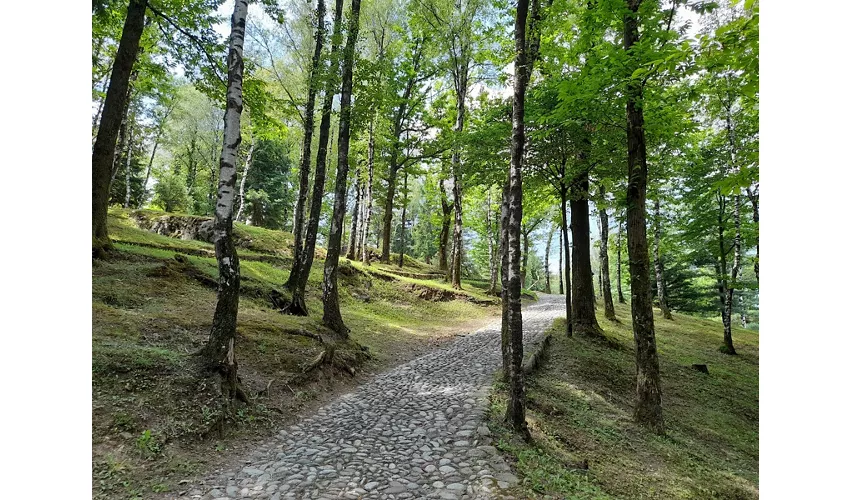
{"x":103,"y":152}
{"x":648,"y":404}
{"x":659,"y":264}
{"x":220,"y":350}
{"x":332,"y":317}
{"x":307,"y":142}
{"x":298,"y":287}
{"x":603,"y":257}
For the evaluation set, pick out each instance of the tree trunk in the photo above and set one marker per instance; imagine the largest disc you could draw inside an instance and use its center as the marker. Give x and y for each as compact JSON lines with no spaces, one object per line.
{"x":503,"y":263}
{"x":444,"y":228}
{"x":568,"y":288}
{"x":301,"y":266}
{"x":491,"y":247}
{"x":754,"y":201}
{"x":561,"y":262}
{"x":220,"y":349}
{"x":128,"y":160}
{"x":648,"y":406}
{"x":403,"y":222}
{"x":584,"y":309}
{"x":392,"y":171}
{"x":515,"y":414}
{"x":332,"y":317}
{"x":730,"y":287}
{"x":159,"y":130}
{"x":457,"y":193}
{"x":524,"y":266}
{"x":603,"y":260}
{"x":659,"y":265}
{"x":368,"y":221}
{"x":242,"y":182}
{"x":546,"y":258}
{"x":352,"y":236}
{"x":620,"y":298}
{"x":103,"y":152}
{"x":307,"y":143}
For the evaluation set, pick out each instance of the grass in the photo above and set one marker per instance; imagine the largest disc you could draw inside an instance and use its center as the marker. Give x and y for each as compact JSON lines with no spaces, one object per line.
{"x":153,"y":406}
{"x":580,"y":404}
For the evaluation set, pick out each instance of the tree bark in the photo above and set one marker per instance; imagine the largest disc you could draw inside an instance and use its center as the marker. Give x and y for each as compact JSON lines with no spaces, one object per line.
{"x":103,"y":152}
{"x":307,"y":143}
{"x":548,"y":288}
{"x":491,"y":247}
{"x":242,"y":182}
{"x":504,"y":263}
{"x":659,"y":265}
{"x":128,"y":160}
{"x":220,"y":351}
{"x":332,"y":317}
{"x":394,"y":165}
{"x":620,"y":298}
{"x":584,"y":309}
{"x":352,"y":236}
{"x":730,"y":287}
{"x":648,"y":405}
{"x":445,"y":227}
{"x":568,"y":298}
{"x":403,"y":222}
{"x":301,"y":266}
{"x":561,"y":262}
{"x":603,"y":260}
{"x":754,"y":201}
{"x":371,"y":165}
{"x":515,"y":414}
{"x":524,"y":265}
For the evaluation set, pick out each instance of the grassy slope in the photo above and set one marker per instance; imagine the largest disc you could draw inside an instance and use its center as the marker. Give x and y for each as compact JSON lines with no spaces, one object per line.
{"x":580,"y":409}
{"x":152,"y":409}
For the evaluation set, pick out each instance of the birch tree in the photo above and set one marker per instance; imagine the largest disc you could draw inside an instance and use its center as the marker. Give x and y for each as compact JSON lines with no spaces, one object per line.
{"x":220,"y":350}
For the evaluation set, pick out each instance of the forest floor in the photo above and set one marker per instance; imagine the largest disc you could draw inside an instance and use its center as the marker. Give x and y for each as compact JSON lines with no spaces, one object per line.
{"x":585,"y":444}
{"x":153,"y":408}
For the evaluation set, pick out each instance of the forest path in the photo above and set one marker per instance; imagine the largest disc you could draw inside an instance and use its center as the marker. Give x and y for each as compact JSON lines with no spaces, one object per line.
{"x":416,"y":431}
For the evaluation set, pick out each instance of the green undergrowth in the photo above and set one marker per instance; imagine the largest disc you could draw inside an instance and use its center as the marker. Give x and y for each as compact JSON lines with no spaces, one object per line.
{"x":585,"y":443}
{"x":155,"y":409}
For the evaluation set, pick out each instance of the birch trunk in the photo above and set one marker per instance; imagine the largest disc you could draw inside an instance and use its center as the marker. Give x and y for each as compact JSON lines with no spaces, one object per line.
{"x":659,"y":265}
{"x":306,"y":145}
{"x":332,"y":317}
{"x":103,"y":151}
{"x":371,"y":162}
{"x":603,"y":261}
{"x":301,"y":266}
{"x":648,"y":405}
{"x":242,"y":182}
{"x":220,"y":350}
{"x":355,"y":214}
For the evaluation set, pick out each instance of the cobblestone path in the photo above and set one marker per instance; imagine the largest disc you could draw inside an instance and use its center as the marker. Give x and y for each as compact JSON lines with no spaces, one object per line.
{"x":416,"y":431}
